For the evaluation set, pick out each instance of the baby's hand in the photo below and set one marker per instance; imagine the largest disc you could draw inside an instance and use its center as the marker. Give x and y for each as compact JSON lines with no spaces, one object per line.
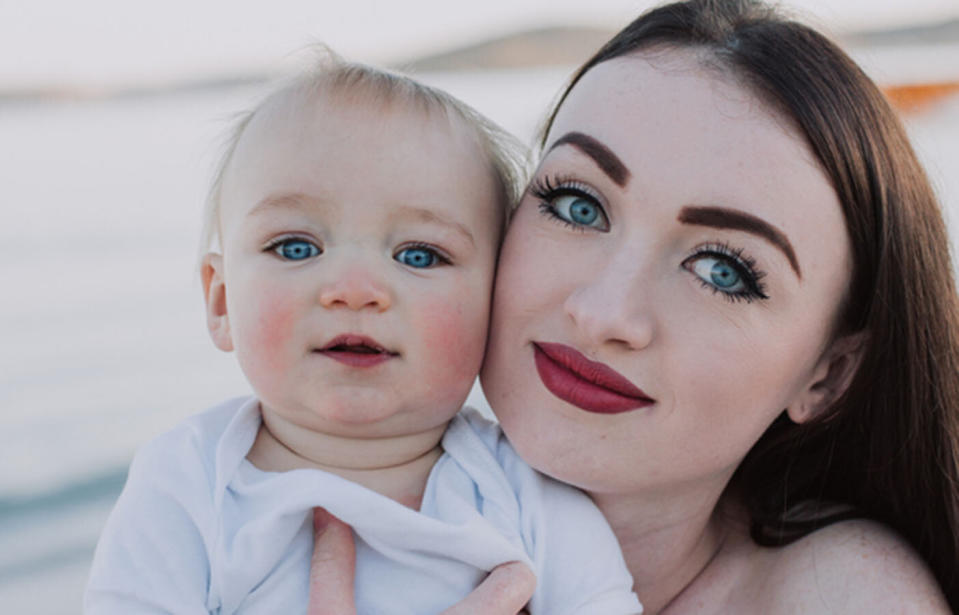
{"x":332,"y":567}
{"x":505,"y":591}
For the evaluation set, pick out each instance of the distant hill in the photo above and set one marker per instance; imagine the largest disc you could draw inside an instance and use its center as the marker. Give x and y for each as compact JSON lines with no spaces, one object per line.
{"x":54,"y":94}
{"x":570,"y":46}
{"x":928,"y":34}
{"x":542,"y":47}
{"x":558,"y":46}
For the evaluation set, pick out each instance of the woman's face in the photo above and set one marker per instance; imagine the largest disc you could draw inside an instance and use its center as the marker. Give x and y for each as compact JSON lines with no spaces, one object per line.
{"x":668,"y":284}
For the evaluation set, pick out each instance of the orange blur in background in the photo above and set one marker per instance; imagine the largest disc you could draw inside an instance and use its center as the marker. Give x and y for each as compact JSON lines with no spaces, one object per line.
{"x":917,"y":97}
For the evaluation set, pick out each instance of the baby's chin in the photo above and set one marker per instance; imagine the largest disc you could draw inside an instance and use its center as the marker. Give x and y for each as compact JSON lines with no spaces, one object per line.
{"x":369,"y":418}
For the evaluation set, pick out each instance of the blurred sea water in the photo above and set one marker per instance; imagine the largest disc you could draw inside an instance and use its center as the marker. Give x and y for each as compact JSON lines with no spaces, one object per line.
{"x":102,"y":338}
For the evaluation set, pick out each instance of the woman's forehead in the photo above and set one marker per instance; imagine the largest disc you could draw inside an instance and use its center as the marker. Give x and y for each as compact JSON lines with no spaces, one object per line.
{"x":669,"y":115}
{"x":633,"y":91}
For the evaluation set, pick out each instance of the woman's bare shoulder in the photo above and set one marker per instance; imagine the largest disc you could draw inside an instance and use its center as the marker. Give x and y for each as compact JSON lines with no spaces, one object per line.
{"x":851,"y":567}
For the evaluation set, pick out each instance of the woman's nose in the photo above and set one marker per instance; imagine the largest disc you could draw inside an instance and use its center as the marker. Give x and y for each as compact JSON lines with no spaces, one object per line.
{"x":614,"y":306}
{"x":356,"y":288}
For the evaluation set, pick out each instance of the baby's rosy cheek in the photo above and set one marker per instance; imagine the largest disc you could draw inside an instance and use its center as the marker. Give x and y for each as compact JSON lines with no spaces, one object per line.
{"x":271,"y":333}
{"x":455,"y":336}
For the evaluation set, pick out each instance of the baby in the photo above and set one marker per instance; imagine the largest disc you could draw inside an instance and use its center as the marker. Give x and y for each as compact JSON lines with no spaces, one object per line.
{"x":358,"y":216}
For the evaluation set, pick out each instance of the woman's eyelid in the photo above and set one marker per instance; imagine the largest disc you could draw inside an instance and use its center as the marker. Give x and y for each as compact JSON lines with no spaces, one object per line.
{"x":735,"y":255}
{"x":567,"y":184}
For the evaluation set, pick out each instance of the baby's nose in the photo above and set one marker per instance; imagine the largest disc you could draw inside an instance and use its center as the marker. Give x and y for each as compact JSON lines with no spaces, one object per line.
{"x":356,"y":289}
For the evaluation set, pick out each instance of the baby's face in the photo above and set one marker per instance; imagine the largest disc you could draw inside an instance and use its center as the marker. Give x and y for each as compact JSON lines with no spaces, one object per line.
{"x":359,"y":246}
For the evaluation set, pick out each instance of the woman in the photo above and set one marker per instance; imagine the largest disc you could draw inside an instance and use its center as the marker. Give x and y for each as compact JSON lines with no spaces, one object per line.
{"x":725,"y":309}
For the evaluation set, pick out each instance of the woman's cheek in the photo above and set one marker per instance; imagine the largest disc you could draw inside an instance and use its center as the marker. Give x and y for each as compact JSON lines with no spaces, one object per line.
{"x":534,"y":273}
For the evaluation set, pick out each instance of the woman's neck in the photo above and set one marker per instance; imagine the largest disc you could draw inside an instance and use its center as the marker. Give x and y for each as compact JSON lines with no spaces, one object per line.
{"x":395,"y":466}
{"x":667,"y":542}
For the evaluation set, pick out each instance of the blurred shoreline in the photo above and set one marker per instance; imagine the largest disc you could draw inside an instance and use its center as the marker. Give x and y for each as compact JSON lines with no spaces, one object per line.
{"x":880,"y":51}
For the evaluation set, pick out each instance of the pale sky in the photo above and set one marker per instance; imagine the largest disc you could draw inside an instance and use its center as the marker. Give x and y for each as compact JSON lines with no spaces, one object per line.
{"x":108,"y":42}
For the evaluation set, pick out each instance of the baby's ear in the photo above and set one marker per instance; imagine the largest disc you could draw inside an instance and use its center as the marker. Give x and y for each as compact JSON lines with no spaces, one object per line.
{"x":831,"y":377}
{"x":214,"y":292}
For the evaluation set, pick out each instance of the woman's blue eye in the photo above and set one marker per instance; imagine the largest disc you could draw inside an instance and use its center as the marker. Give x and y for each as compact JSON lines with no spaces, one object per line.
{"x":417,"y":257}
{"x":723,"y":275}
{"x":583,"y":212}
{"x":718,"y":272}
{"x":579,"y":210}
{"x":570,"y":202}
{"x":296,"y":249}
{"x":727,"y":272}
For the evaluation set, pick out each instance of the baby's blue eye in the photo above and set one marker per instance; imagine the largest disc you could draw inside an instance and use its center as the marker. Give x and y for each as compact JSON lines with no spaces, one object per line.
{"x":417,"y":257}
{"x":296,"y":249}
{"x":579,"y":210}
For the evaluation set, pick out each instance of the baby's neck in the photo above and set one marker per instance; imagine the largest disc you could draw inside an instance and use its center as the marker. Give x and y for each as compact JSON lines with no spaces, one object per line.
{"x":396,"y":467}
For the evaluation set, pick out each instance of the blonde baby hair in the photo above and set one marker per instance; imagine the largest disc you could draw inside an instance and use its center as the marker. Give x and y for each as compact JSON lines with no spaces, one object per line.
{"x":330,"y":73}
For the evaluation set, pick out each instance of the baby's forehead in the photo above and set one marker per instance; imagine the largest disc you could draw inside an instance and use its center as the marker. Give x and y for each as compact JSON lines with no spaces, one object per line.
{"x":283,"y":118}
{"x":324,"y":140}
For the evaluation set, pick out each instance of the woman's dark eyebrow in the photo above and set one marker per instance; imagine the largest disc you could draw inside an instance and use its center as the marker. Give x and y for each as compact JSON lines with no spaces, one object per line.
{"x":602,"y":155}
{"x":720,"y":217}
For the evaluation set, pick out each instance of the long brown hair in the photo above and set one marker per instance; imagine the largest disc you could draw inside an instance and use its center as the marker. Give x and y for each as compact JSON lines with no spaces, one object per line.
{"x":889,"y":448}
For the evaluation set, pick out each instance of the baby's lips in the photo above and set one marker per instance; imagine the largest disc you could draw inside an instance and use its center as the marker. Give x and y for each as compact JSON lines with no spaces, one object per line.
{"x":356,"y":342}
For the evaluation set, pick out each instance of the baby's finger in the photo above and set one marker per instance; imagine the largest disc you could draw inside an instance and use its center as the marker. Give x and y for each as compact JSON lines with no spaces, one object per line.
{"x":505,"y":591}
{"x":332,"y":567}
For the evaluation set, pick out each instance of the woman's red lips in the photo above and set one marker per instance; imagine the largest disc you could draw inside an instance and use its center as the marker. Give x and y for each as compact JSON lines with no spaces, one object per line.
{"x":356,"y":350}
{"x":586,"y":384}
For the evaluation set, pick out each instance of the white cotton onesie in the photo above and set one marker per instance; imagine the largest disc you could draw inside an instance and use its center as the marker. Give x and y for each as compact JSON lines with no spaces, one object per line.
{"x":199,"y":529}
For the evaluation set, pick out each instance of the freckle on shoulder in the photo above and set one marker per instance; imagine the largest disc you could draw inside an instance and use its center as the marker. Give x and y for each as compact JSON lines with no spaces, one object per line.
{"x":854,"y":566}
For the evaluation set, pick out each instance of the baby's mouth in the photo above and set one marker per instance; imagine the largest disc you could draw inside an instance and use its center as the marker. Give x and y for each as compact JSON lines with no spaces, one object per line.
{"x":356,"y":350}
{"x":361,"y":349}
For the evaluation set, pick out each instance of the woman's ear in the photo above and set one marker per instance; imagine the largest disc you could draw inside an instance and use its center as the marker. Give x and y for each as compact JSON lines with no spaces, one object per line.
{"x":214,"y":292}
{"x":831,"y":377}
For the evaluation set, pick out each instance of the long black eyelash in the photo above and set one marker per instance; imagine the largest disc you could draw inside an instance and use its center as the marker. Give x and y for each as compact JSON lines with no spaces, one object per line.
{"x":544,"y":187}
{"x":744,"y":264}
{"x":547,"y":189}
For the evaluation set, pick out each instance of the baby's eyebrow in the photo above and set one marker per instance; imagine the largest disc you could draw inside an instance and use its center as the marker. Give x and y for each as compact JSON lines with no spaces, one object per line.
{"x":292,"y":201}
{"x":430,"y":216}
{"x":301,"y":202}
